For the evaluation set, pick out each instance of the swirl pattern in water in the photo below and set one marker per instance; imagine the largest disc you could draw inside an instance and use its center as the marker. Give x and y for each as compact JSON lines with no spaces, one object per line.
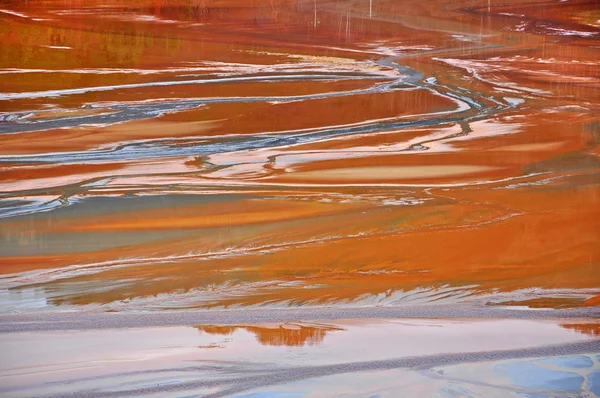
{"x":300,"y":198}
{"x":161,"y":155}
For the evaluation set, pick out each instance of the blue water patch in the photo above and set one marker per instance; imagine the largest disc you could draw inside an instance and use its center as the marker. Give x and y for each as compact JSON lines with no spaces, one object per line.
{"x":527,"y":374}
{"x":594,"y":382}
{"x":577,"y":362}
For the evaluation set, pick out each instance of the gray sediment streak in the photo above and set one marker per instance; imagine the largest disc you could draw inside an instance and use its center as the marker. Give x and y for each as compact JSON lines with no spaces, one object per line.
{"x":424,"y":362}
{"x":80,"y":320}
{"x":124,"y":112}
{"x":291,"y":374}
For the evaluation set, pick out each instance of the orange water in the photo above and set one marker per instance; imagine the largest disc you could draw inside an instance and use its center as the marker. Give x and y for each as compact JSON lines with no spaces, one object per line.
{"x":184,"y":154}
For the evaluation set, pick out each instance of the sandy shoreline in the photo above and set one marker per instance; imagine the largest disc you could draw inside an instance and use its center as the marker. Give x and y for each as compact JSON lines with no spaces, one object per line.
{"x":79,"y":320}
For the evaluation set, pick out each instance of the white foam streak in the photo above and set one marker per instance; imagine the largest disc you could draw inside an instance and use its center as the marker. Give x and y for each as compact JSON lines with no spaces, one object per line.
{"x":58,"y":93}
{"x":566,"y":32}
{"x":476,"y":68}
{"x":227,"y":69}
{"x":50,"y":275}
{"x":16,"y":14}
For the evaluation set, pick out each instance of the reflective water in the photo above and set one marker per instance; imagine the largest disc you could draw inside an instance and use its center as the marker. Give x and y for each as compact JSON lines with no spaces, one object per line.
{"x":465,"y":358}
{"x":174,"y":155}
{"x":434,"y":158}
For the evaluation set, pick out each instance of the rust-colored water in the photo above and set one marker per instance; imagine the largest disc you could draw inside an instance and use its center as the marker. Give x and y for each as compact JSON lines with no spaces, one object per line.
{"x":160,"y":155}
